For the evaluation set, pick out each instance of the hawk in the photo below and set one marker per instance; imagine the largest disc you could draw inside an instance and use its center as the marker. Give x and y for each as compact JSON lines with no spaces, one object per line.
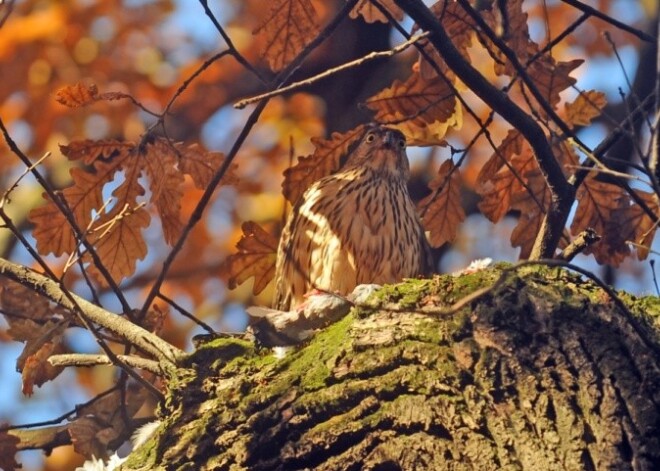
{"x":353,"y":227}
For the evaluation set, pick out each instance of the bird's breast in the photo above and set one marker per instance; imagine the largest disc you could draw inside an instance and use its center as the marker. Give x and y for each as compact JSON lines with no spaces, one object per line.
{"x":351,"y":228}
{"x":376,"y":223}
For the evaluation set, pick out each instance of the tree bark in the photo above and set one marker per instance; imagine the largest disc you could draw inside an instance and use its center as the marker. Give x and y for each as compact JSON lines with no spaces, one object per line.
{"x":542,"y":372}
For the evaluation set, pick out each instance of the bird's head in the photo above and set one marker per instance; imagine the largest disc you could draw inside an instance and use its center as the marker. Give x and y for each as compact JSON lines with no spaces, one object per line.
{"x":382,"y":149}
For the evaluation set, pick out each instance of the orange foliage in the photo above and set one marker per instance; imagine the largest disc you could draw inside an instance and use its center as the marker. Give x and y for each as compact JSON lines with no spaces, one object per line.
{"x":291,"y":25}
{"x":422,"y":109}
{"x":587,"y":106}
{"x":116,"y":233}
{"x":78,"y":95}
{"x":442,"y":212}
{"x":371,"y":14}
{"x":137,"y":151}
{"x":256,"y":257}
{"x":597,"y":203}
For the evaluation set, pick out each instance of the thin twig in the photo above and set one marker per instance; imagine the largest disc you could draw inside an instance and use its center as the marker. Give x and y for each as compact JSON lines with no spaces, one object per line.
{"x":607,"y":143}
{"x":230,"y":44}
{"x":601,"y":167}
{"x":608,"y":171}
{"x":5,"y":197}
{"x":602,"y":16}
{"x":76,"y":255}
{"x":629,"y":84}
{"x":205,"y":65}
{"x":66,"y":416}
{"x":584,"y":239}
{"x":197,"y":213}
{"x":60,"y":202}
{"x":186,"y":314}
{"x":327,"y":73}
{"x":563,"y":35}
{"x":126,"y":96}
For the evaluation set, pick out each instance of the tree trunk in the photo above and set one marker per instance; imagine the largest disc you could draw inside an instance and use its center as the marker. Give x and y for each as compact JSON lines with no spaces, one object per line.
{"x":543,"y":372}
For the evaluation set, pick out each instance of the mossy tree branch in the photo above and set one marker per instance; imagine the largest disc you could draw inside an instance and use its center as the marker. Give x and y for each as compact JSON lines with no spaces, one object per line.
{"x":542,"y":372}
{"x":123,"y":328}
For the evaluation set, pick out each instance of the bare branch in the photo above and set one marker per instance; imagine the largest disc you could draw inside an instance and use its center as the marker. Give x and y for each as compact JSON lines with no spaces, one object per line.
{"x":66,"y":416}
{"x":47,"y":438}
{"x":205,"y":65}
{"x":607,"y":143}
{"x":116,"y":324}
{"x":327,"y":73}
{"x":83,"y":359}
{"x":186,"y":314}
{"x":585,"y":239}
{"x":230,"y":44}
{"x":608,"y":19}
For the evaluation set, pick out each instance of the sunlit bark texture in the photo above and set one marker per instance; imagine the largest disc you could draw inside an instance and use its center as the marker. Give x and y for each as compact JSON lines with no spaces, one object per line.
{"x":545,"y":371}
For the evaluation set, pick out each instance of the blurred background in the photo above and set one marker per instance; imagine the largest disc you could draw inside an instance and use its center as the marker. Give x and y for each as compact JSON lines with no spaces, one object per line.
{"x":147,"y":48}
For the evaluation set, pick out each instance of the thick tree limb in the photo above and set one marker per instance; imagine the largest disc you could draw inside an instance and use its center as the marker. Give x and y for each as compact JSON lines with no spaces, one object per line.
{"x":543,"y":372}
{"x":116,"y":324}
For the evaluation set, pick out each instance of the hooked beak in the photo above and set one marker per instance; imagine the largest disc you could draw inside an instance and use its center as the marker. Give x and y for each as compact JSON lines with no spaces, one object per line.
{"x":389,"y":139}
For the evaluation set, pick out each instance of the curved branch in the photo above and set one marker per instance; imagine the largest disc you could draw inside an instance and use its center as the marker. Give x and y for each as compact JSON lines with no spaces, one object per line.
{"x":562,"y":193}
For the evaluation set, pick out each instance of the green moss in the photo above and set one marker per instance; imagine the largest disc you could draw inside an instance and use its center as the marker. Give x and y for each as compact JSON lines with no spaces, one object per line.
{"x":313,"y":364}
{"x":382,"y":369}
{"x":145,"y":456}
{"x":647,"y":306}
{"x":307,"y":368}
{"x":222,"y":349}
{"x":406,"y":294}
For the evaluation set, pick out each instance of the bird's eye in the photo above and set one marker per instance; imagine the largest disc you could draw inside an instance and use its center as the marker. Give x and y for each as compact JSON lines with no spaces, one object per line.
{"x":370,"y":138}
{"x":402,"y":143}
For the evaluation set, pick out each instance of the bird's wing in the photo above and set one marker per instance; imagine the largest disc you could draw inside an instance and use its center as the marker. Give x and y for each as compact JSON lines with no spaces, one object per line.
{"x":312,"y":252}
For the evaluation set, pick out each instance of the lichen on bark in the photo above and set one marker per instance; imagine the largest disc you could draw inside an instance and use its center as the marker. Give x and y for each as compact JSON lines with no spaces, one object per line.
{"x":543,"y":372}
